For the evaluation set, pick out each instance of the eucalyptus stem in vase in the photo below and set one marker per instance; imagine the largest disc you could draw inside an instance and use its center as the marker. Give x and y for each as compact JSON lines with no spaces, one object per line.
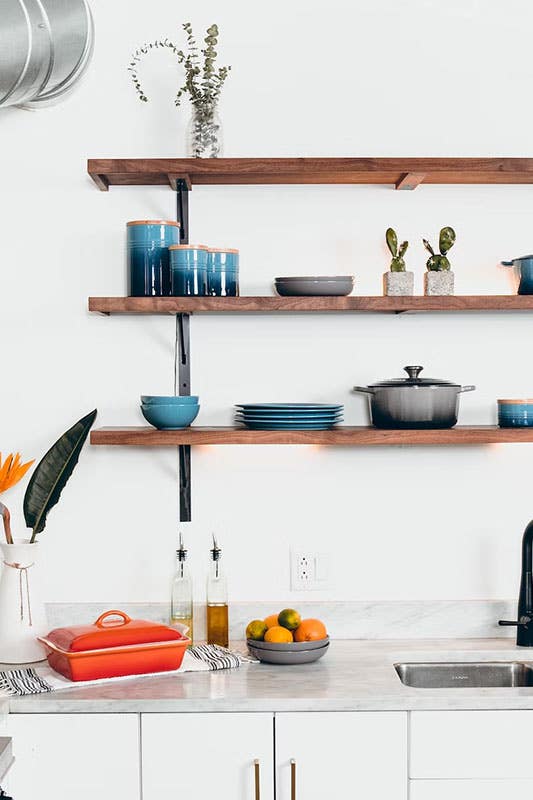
{"x":203,"y":85}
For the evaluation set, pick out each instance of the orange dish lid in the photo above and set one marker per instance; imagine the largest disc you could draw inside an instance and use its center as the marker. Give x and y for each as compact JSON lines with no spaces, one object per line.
{"x":115,"y":633}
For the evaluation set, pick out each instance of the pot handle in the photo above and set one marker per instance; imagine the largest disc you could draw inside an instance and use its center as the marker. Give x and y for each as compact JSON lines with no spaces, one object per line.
{"x":100,"y":621}
{"x":467,"y":388}
{"x":507,"y":263}
{"x":364,"y":389}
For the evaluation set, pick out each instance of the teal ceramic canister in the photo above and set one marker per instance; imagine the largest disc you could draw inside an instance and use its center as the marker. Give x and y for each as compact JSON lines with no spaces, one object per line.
{"x":148,"y":256}
{"x":188,"y":270}
{"x":515,"y":413}
{"x":223,"y":272}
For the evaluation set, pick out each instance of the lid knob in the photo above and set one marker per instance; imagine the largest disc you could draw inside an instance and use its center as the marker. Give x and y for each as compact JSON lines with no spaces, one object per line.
{"x":413,"y":372}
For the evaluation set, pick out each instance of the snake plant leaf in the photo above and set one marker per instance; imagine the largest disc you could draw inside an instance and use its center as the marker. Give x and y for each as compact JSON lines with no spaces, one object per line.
{"x":392,"y":241}
{"x":52,"y":473}
{"x":446,"y":240}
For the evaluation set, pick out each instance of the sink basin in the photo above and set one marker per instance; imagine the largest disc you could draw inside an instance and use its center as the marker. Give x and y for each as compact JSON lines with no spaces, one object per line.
{"x":466,"y":675}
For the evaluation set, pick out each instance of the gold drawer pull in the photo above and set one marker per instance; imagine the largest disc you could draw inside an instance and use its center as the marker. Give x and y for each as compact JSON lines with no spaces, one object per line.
{"x":257,"y":778}
{"x":293,"y":779}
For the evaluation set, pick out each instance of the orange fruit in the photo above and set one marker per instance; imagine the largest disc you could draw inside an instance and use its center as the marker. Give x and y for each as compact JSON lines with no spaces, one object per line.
{"x":289,"y":618}
{"x":271,"y":621}
{"x":256,"y":630}
{"x":279,"y":635}
{"x":310,"y":630}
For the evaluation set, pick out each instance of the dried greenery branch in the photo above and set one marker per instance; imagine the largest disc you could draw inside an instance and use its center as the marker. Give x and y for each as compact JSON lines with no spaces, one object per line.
{"x":203,"y":80}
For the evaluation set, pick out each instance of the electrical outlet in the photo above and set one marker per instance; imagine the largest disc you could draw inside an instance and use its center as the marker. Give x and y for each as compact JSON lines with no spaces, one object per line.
{"x":309,"y":571}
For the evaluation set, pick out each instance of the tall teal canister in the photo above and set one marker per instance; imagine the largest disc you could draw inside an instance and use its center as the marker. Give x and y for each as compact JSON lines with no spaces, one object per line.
{"x":148,"y":256}
{"x":188,"y":270}
{"x":223,"y":272}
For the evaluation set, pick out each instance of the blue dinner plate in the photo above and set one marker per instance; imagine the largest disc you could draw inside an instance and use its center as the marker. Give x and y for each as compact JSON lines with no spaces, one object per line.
{"x":294,"y":426}
{"x":289,"y":406}
{"x":306,"y":418}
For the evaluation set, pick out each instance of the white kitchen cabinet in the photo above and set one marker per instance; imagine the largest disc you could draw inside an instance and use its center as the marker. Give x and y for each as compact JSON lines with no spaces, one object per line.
{"x":471,"y":790}
{"x":82,"y":756}
{"x":471,"y":744}
{"x":348,"y":755}
{"x":207,"y":755}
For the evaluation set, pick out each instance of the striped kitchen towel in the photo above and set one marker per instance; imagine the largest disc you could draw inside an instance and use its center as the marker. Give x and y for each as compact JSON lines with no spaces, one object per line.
{"x":36,"y":680}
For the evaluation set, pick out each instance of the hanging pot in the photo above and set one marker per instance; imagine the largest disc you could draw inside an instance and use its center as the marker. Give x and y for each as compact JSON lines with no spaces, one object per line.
{"x":22,"y":615}
{"x":414,"y":402}
{"x":45,"y":46}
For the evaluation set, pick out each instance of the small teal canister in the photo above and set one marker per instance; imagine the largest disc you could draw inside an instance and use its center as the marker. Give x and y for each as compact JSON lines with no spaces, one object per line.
{"x":515,"y":413}
{"x":223,"y":272}
{"x":188,"y":270}
{"x":148,"y":256}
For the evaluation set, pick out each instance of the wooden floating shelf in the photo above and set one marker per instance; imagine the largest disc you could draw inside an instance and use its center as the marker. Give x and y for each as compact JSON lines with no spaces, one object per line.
{"x":403,"y":173}
{"x":254,"y":305}
{"x":341,"y":435}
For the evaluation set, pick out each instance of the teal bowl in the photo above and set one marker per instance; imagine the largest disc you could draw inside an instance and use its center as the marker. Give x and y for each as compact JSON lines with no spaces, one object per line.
{"x":170,"y":400}
{"x":170,"y":417}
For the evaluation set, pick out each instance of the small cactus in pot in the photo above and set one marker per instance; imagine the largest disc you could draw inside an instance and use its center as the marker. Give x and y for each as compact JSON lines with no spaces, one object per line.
{"x":397,"y":263}
{"x":438,"y":262}
{"x":439,"y":279}
{"x":397,"y":282}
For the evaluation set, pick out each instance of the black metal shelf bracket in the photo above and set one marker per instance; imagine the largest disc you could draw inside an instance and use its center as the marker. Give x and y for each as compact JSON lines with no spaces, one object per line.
{"x":182,"y":359}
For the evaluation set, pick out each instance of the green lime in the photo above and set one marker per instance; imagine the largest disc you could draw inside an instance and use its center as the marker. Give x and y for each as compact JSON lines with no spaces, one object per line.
{"x":289,"y":618}
{"x":256,"y":630}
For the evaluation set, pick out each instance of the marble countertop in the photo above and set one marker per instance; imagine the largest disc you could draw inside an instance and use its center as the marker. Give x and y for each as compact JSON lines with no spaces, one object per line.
{"x":353,"y":676}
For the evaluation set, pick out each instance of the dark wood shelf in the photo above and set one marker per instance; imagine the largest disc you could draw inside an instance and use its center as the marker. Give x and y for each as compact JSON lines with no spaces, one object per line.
{"x":342,"y":435}
{"x":266,"y":305}
{"x":403,"y":173}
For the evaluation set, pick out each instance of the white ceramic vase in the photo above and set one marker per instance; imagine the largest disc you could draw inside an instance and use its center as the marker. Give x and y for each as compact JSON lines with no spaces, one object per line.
{"x":22,"y":615}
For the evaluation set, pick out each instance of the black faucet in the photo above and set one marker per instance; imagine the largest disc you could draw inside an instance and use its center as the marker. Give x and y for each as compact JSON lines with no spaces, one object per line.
{"x":524,"y":624}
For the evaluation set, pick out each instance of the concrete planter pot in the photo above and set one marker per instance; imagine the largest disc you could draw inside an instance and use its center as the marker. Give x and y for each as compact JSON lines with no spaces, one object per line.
{"x":398,"y":284}
{"x":439,"y":283}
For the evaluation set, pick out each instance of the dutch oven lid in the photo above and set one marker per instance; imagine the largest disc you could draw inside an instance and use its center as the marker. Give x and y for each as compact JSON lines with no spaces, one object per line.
{"x":413,"y":380}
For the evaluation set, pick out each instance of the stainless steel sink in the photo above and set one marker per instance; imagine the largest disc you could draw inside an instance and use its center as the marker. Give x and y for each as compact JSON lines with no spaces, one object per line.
{"x":465,"y":675}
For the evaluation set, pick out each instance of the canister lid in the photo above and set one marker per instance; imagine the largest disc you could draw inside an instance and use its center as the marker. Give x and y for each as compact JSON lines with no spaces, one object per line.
{"x":413,"y":380}
{"x":153,"y":222}
{"x":223,"y":250}
{"x":188,"y":247}
{"x":522,"y":402}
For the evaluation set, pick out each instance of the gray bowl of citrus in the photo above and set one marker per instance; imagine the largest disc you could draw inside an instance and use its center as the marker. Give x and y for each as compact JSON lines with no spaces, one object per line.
{"x":286,"y":638}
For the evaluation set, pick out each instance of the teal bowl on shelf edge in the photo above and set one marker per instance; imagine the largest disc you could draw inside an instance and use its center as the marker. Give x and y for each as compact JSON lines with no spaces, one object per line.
{"x":170,"y":418}
{"x":170,"y":400}
{"x":515,"y":413}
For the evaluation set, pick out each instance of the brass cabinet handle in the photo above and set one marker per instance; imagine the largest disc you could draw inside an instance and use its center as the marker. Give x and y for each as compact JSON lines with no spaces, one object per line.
{"x":293,"y":779}
{"x":257,"y":779}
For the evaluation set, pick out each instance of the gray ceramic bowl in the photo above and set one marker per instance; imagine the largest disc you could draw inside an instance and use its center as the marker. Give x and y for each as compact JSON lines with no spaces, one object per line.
{"x":339,"y":286}
{"x":287,"y":656}
{"x":289,"y":647}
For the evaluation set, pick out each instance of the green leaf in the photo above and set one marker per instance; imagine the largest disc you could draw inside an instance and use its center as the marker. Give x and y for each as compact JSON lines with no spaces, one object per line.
{"x":428,"y":247}
{"x":392,"y":241}
{"x":446,"y":240}
{"x":403,"y":249}
{"x":52,"y":473}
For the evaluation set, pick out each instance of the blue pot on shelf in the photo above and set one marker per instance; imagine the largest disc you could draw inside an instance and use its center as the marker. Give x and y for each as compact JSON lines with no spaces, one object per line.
{"x":525,"y":270}
{"x":148,"y":256}
{"x":223,"y":272}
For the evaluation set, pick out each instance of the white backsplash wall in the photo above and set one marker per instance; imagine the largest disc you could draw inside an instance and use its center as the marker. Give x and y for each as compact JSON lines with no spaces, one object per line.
{"x":380,"y":78}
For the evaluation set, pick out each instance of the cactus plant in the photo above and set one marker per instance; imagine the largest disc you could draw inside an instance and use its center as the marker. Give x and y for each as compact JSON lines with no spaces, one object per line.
{"x":438,"y":262}
{"x":397,"y":263}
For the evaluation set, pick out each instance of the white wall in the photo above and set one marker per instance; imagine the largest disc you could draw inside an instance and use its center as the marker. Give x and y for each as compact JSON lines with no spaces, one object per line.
{"x":417,"y":78}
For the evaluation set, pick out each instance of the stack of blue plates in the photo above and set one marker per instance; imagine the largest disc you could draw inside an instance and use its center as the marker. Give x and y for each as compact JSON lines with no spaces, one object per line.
{"x":289,"y":416}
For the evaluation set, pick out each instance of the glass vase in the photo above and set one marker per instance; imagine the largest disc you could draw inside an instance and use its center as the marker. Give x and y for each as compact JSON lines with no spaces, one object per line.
{"x":204,"y":133}
{"x":22,"y":614}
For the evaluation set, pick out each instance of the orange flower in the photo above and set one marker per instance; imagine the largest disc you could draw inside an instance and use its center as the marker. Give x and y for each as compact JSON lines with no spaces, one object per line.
{"x":11,"y":471}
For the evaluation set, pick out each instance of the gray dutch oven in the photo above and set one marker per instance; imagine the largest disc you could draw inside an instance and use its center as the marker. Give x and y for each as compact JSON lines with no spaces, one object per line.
{"x":414,"y":402}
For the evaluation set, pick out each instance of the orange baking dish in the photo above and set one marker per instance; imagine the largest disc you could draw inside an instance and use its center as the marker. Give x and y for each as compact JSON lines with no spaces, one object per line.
{"x":113,"y":648}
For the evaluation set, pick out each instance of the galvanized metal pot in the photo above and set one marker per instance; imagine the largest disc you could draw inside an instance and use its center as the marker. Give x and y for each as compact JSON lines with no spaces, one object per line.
{"x":414,"y":402}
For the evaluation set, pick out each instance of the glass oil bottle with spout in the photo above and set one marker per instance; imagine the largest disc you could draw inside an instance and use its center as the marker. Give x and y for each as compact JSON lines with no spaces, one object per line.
{"x":181,"y":605}
{"x":217,"y":600}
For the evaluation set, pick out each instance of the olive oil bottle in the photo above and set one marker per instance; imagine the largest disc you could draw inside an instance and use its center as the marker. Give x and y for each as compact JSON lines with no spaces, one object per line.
{"x":217,"y":600}
{"x":181,"y":603}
